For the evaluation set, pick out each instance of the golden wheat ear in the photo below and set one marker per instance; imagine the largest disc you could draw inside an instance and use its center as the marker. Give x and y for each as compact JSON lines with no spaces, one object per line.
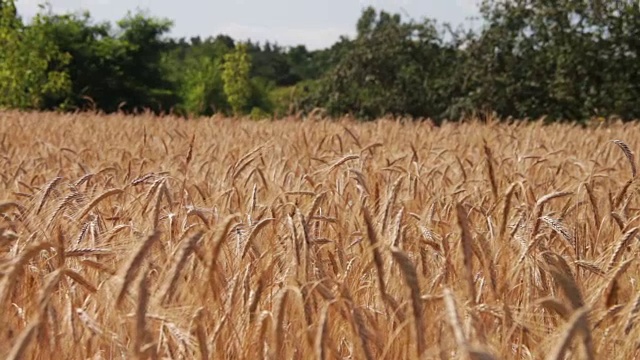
{"x":629,"y":154}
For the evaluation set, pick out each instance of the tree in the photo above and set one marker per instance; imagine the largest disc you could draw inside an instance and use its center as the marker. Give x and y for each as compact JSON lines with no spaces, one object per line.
{"x":31,"y":65}
{"x":202,"y":91}
{"x":392,"y":67}
{"x":235,"y":75}
{"x":195,"y":69}
{"x":145,"y":83}
{"x":569,"y":59}
{"x":113,"y":69}
{"x":93,"y":64}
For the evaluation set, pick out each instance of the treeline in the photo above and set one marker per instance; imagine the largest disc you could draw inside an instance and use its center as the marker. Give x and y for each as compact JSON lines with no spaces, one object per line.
{"x":565,"y":59}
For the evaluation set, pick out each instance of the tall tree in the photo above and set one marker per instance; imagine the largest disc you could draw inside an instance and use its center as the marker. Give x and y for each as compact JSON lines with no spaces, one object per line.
{"x":31,"y":65}
{"x":392,"y":67}
{"x":145,"y":84}
{"x":560,"y":59}
{"x":113,"y":69}
{"x":202,"y":91}
{"x":237,"y":84}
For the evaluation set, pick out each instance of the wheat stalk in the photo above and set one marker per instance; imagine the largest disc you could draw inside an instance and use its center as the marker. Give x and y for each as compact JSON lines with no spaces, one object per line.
{"x":254,"y":232}
{"x":539,"y":208}
{"x":201,"y":335}
{"x":594,"y":205}
{"x":492,"y":175}
{"x":141,"y":316}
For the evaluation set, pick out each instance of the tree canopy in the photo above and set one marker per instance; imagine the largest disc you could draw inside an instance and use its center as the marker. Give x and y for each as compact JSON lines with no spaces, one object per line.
{"x":567,"y":59}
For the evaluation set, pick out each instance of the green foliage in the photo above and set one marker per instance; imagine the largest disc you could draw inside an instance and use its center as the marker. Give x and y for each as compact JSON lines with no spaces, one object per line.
{"x":204,"y":93}
{"x":282,"y":99}
{"x":259,"y":114}
{"x":113,"y":69}
{"x":391,"y":67}
{"x":303,"y":97}
{"x":31,"y":65}
{"x":235,"y":75}
{"x":569,"y":59}
{"x":195,"y":69}
{"x":145,"y":85}
{"x":93,"y":60}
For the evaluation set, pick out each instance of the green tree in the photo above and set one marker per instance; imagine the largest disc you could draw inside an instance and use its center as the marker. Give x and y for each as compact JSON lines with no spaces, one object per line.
{"x":235,"y":75}
{"x":31,"y":65}
{"x":568,"y":59}
{"x":113,"y":68}
{"x":144,"y":80}
{"x":202,"y":90}
{"x":392,"y":67}
{"x":94,"y":61}
{"x":195,"y":69}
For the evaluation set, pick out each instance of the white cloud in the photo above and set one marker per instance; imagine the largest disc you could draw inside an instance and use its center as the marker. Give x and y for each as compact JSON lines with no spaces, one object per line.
{"x":469,"y":6}
{"x":28,"y":8}
{"x":385,"y":3}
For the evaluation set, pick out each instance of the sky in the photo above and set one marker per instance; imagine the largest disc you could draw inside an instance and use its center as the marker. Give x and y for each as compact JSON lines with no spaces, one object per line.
{"x":316,"y":24}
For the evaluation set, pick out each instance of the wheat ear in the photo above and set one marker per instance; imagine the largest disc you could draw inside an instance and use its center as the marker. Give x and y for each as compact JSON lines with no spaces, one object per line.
{"x":454,"y":320}
{"x":467,"y":250}
{"x":411,"y":277}
{"x":539,"y":208}
{"x":254,"y":232}
{"x":185,"y":250}
{"x":629,"y":155}
{"x":95,"y":201}
{"x":131,"y":269}
{"x":576,"y":323}
{"x":374,"y":244}
{"x":201,"y":335}
{"x":19,"y":348}
{"x":49,"y":188}
{"x":622,"y":244}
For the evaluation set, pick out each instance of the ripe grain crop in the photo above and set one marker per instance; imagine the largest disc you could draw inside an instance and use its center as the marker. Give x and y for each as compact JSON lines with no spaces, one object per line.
{"x":219,"y":238}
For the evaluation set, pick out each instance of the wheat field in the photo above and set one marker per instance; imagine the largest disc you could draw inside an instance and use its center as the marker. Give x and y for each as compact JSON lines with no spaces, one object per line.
{"x":160,"y":238}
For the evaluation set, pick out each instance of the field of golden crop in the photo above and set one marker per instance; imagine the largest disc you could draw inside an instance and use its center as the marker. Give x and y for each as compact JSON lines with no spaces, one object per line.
{"x":155,"y":238}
